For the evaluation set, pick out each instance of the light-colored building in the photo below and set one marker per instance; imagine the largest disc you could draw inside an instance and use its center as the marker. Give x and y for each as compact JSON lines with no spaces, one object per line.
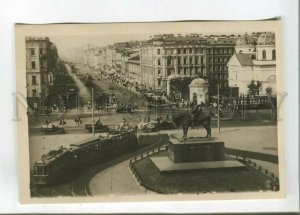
{"x":41,"y":63}
{"x":168,"y":57}
{"x":198,"y":91}
{"x":258,"y":64}
{"x":134,"y":69}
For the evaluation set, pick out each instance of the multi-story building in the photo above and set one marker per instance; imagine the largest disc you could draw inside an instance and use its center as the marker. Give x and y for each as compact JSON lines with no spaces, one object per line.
{"x":257,"y":63}
{"x":218,"y":52}
{"x":41,"y":63}
{"x":134,"y":69}
{"x":166,"y":58}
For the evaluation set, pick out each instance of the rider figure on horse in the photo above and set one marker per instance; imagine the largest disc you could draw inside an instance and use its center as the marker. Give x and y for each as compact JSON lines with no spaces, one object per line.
{"x":194,"y":114}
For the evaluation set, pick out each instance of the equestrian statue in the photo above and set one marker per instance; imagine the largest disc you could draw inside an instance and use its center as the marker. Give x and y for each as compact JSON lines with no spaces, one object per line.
{"x":194,"y":117}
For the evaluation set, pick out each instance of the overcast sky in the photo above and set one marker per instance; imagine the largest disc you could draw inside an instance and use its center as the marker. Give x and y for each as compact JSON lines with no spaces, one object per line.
{"x":65,"y":44}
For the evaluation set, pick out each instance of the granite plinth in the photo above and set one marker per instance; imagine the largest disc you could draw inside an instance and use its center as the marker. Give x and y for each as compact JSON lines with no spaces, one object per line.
{"x":195,"y":150}
{"x":165,"y":165}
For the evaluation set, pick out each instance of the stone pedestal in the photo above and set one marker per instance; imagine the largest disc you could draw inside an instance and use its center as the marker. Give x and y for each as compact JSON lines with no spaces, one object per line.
{"x":195,"y":150}
{"x":195,"y":154}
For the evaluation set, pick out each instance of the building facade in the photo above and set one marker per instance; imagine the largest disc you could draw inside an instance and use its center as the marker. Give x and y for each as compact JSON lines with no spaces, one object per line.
{"x":257,"y":65}
{"x":41,"y":63}
{"x":218,"y":52}
{"x":134,"y":70}
{"x":166,"y":57}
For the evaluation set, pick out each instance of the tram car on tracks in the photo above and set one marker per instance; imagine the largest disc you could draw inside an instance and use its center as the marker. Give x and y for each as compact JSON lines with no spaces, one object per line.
{"x":57,"y":164}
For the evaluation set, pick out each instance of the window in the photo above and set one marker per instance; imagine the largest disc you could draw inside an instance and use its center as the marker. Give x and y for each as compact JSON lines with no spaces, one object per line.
{"x":50,"y":79}
{"x":274,"y":54}
{"x":158,"y":51}
{"x":168,"y":72}
{"x":33,"y":80}
{"x":196,"y":60}
{"x":191,"y":60}
{"x":34,"y":93}
{"x":169,"y":61}
{"x":184,"y":61}
{"x":178,"y":51}
{"x":158,"y":62}
{"x":41,"y":50}
{"x":159,"y":72}
{"x":196,"y":50}
{"x":201,"y":60}
{"x":159,"y":82}
{"x":264,"y":54}
{"x":32,"y":64}
{"x":179,"y":60}
{"x":184,"y":51}
{"x":190,"y":50}
{"x":32,"y":51}
{"x":184,"y":71}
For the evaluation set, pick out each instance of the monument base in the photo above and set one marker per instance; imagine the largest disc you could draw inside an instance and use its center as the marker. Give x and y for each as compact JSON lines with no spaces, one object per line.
{"x":195,"y":149}
{"x":195,"y":153}
{"x":166,"y":165}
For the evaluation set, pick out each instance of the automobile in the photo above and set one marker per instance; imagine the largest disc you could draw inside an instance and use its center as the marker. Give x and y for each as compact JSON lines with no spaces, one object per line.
{"x":123,"y":109}
{"x":52,"y":129}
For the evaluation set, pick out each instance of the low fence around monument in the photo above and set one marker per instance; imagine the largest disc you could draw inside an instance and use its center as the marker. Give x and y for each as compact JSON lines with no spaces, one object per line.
{"x":140,"y":157}
{"x":246,"y":156}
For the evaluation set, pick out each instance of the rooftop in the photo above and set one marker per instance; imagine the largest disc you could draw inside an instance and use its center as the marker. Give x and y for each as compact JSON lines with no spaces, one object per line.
{"x":244,"y":59}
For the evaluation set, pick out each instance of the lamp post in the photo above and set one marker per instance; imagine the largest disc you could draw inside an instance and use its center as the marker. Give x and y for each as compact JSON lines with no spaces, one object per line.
{"x":93,"y":127}
{"x":219,"y":107}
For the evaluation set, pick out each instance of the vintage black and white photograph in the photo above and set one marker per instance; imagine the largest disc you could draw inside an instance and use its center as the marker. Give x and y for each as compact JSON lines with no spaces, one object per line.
{"x":165,"y":110}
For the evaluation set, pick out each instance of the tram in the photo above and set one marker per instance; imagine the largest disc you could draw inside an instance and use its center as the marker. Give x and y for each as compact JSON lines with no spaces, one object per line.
{"x":57,"y":164}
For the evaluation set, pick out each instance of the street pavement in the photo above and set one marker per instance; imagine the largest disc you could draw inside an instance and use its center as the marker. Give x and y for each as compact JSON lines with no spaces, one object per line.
{"x":116,"y":180}
{"x":83,"y":90}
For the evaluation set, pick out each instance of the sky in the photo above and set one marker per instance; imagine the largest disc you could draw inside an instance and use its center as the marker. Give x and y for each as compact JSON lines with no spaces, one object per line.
{"x":65,"y":44}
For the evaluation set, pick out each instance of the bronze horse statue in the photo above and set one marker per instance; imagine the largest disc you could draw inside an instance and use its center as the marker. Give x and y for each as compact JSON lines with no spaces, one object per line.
{"x":194,"y":118}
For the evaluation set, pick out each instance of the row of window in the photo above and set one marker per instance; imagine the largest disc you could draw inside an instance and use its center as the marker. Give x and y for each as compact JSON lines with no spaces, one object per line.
{"x":221,"y":76}
{"x":218,"y":68}
{"x":33,"y":51}
{"x":185,"y":61}
{"x":34,"y":80}
{"x":43,"y":64}
{"x":181,"y":51}
{"x":219,"y":59}
{"x":264,"y":54}
{"x":220,"y":51}
{"x":185,"y":71}
{"x":197,"y":50}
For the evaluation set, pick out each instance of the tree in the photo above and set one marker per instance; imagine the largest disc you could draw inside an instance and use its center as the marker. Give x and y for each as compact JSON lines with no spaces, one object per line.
{"x":269,"y":90}
{"x":255,"y":87}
